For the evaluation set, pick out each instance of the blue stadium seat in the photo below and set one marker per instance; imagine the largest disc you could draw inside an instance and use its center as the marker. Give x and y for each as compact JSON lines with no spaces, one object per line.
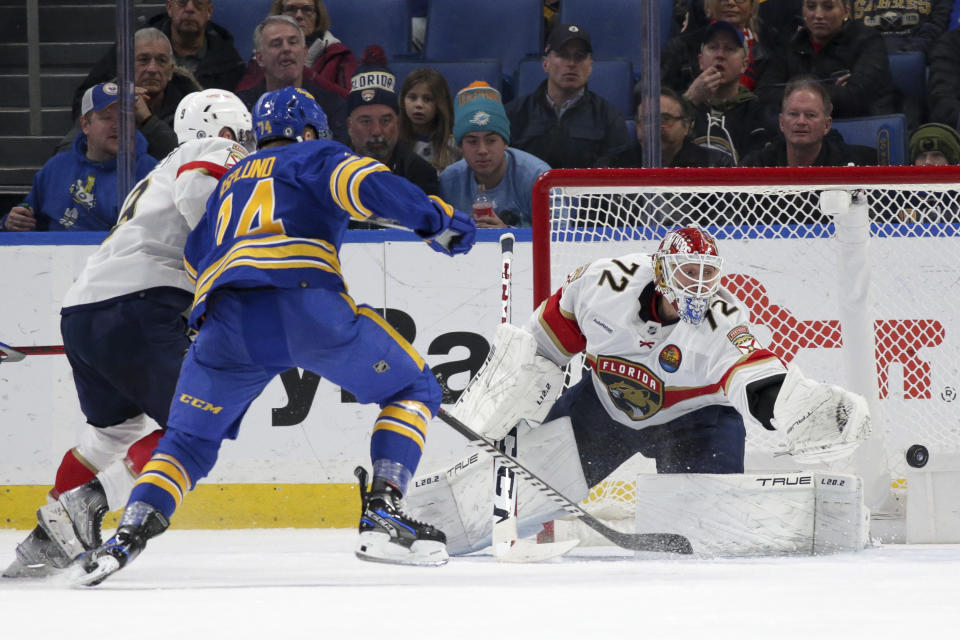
{"x":359,"y":23}
{"x":240,"y":18}
{"x":505,"y":29}
{"x":909,"y":70}
{"x":614,"y":25}
{"x":611,"y":80}
{"x":887,"y":134}
{"x":458,"y":73}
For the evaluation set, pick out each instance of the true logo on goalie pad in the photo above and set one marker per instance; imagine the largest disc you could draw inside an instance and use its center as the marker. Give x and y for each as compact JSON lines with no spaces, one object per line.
{"x":634,"y":389}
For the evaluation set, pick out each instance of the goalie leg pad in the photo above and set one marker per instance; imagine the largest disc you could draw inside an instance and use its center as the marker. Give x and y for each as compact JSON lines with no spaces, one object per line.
{"x":512,"y":385}
{"x":458,"y":499}
{"x":756,"y":514}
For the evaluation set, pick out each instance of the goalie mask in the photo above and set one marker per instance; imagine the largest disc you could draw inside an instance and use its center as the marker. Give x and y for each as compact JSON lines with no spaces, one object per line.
{"x":687,"y":270}
{"x":285,"y":113}
{"x":203,"y":114}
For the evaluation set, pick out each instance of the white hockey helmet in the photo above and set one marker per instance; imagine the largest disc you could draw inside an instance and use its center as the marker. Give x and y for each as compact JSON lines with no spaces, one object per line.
{"x":686,"y":270}
{"x":202,"y":114}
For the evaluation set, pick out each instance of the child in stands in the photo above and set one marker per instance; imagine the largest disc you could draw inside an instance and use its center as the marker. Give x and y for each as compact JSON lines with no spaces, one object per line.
{"x":426,"y":117}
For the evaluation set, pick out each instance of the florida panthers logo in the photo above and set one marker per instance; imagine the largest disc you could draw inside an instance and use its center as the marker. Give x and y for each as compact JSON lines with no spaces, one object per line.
{"x":634,"y":389}
{"x":82,"y":192}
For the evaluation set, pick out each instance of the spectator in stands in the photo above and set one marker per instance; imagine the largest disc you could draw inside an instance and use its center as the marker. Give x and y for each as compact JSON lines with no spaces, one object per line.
{"x":807,"y":139}
{"x":159,"y":87}
{"x":944,"y":79}
{"x":935,"y":145}
{"x":426,"y":117}
{"x":905,"y":26}
{"x":281,"y":51}
{"x":930,"y":145}
{"x":77,"y":190}
{"x":373,"y":122}
{"x":728,"y":115}
{"x":201,"y":47}
{"x":563,"y":122}
{"x":679,"y":62}
{"x":676,"y":146}
{"x":847,"y":57}
{"x":327,"y":57}
{"x":506,"y":175}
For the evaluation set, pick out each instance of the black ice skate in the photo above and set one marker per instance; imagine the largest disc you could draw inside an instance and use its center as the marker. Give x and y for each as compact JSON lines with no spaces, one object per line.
{"x":139,"y":523}
{"x":388,"y":535}
{"x":37,"y":557}
{"x":74,"y":521}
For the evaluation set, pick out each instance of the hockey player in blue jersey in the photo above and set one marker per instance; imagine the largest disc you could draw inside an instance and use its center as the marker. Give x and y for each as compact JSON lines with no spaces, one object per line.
{"x":270,"y":296}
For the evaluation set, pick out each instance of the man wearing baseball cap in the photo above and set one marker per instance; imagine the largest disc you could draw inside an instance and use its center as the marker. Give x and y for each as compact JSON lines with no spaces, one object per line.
{"x":563,"y":122}
{"x":482,"y":131}
{"x":729,"y":117}
{"x":77,"y":189}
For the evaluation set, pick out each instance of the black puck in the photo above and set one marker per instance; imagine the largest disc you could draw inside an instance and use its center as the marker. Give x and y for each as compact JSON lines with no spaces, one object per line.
{"x":917,"y":456}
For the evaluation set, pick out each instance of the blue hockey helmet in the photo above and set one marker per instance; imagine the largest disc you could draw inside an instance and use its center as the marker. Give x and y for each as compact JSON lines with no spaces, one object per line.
{"x":285,"y":113}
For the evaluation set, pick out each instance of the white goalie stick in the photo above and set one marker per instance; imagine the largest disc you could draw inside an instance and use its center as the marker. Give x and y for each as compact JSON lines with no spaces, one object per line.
{"x":665,"y":542}
{"x":506,"y":546}
{"x":16,"y":354}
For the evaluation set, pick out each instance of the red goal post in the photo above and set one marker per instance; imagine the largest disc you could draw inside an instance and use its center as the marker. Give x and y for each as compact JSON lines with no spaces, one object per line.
{"x":866,"y":297}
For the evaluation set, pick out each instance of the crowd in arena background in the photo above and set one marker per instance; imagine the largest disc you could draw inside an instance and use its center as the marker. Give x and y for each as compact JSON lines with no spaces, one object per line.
{"x":743,"y":83}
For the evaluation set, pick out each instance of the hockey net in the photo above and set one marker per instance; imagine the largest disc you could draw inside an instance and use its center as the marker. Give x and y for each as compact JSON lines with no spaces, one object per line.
{"x":866,"y":300}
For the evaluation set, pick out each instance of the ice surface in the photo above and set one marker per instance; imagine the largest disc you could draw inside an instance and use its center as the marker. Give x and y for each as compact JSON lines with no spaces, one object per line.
{"x":295,"y":583}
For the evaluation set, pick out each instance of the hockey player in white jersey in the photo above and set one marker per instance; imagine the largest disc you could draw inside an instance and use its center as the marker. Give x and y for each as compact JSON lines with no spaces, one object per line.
{"x":675,"y":373}
{"x":124,"y":332}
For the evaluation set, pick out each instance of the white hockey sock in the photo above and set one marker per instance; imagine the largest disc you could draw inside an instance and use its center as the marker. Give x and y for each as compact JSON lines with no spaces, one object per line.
{"x":102,"y":447}
{"x":117,"y":481}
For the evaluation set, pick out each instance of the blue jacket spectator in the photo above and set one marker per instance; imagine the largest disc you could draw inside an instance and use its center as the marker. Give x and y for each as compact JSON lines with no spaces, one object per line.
{"x":505,"y":174}
{"x":77,"y":189}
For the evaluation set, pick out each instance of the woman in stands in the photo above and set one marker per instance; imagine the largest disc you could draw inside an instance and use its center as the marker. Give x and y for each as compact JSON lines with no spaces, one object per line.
{"x":847,"y":57}
{"x":678,"y":62}
{"x":426,"y":117}
{"x":327,"y":57}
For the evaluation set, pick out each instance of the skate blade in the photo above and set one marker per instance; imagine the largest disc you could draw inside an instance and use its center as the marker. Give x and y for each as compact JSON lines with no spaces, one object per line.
{"x":377,"y":547}
{"x":19,"y":570}
{"x":56,"y":522}
{"x":81,"y":575}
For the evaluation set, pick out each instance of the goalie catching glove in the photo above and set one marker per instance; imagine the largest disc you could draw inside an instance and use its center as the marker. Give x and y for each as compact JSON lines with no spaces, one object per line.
{"x":821,"y":422}
{"x":513,"y":384}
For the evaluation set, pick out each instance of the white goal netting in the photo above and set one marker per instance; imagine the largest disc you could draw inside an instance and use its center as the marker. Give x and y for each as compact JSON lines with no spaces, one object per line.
{"x":868,"y":300}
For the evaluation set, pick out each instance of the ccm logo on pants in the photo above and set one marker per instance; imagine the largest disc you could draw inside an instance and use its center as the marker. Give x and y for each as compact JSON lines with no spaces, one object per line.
{"x":203,"y":405}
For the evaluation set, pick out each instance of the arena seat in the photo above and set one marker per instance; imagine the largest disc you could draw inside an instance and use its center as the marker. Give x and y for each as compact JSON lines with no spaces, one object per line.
{"x":240,"y":18}
{"x":359,"y":24}
{"x":614,"y":25}
{"x":611,"y":80}
{"x":887,"y":134}
{"x":508,"y":30}
{"x":458,"y":73}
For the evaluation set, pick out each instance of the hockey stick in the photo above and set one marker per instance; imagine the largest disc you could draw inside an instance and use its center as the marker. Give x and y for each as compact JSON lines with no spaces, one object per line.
{"x":668,"y":542}
{"x":506,"y":545}
{"x":16,"y":354}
